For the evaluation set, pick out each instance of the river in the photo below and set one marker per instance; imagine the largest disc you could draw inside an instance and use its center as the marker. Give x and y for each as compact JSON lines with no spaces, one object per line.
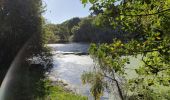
{"x":70,"y":61}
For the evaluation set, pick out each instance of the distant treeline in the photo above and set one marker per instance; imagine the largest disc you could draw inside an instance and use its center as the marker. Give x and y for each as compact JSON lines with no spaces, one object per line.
{"x":82,"y":30}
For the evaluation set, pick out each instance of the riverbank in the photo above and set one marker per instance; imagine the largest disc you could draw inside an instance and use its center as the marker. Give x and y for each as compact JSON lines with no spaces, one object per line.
{"x":70,"y":61}
{"x":58,"y":91}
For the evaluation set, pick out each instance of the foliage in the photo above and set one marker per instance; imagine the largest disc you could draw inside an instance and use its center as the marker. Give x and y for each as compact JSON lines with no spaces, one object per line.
{"x":60,"y":32}
{"x":146,"y":22}
{"x":22,"y":26}
{"x":84,"y":30}
{"x":87,"y":31}
{"x":20,"y":22}
{"x":58,"y":93}
{"x":49,"y":36}
{"x":98,"y":85}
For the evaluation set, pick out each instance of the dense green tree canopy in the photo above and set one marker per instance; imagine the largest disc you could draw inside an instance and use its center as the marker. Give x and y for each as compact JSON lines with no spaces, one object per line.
{"x":19,"y":21}
{"x":83,"y":30}
{"x":147,"y":22}
{"x":21,"y":29}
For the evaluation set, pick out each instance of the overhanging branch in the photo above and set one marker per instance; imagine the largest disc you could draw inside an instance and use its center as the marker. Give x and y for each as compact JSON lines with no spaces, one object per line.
{"x":147,"y":14}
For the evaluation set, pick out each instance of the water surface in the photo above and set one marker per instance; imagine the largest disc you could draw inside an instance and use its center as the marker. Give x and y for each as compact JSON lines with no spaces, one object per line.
{"x":69,"y":67}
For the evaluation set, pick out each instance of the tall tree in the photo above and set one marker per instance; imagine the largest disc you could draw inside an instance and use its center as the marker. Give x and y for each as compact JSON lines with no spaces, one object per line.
{"x":20,"y":20}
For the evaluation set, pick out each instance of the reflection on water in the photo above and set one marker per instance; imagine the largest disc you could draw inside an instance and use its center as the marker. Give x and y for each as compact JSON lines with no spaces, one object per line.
{"x":70,"y":47}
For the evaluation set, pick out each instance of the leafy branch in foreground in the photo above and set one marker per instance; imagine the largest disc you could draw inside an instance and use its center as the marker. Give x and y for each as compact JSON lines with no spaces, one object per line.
{"x":148,"y":40}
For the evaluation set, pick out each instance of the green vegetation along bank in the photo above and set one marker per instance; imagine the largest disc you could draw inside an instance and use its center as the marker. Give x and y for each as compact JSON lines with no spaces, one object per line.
{"x":58,"y":92}
{"x":82,"y":30}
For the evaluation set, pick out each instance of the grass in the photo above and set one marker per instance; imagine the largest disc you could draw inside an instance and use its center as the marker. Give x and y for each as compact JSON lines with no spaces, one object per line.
{"x":59,"y":93}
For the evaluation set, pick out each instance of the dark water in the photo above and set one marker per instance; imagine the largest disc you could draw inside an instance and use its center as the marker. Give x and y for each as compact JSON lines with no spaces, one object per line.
{"x":70,"y":47}
{"x":69,"y":67}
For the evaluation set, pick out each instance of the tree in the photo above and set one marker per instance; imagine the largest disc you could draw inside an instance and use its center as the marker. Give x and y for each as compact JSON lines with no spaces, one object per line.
{"x":21,"y":27}
{"x":50,"y":35}
{"x":83,"y":30}
{"x":146,"y":23}
{"x":88,"y":31}
{"x":71,"y":23}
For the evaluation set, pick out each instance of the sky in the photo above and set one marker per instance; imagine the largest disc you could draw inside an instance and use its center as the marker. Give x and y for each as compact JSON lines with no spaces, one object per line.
{"x":58,"y":11}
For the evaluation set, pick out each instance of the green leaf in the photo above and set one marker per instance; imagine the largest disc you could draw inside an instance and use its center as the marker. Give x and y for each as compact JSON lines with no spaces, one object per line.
{"x":84,"y":1}
{"x":91,"y":1}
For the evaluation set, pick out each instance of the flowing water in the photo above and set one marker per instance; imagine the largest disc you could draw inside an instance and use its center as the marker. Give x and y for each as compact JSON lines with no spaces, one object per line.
{"x":70,"y":61}
{"x":69,"y":65}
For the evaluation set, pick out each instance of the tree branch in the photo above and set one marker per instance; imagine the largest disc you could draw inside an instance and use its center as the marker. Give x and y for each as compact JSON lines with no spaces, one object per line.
{"x":148,"y":14}
{"x":117,"y":85}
